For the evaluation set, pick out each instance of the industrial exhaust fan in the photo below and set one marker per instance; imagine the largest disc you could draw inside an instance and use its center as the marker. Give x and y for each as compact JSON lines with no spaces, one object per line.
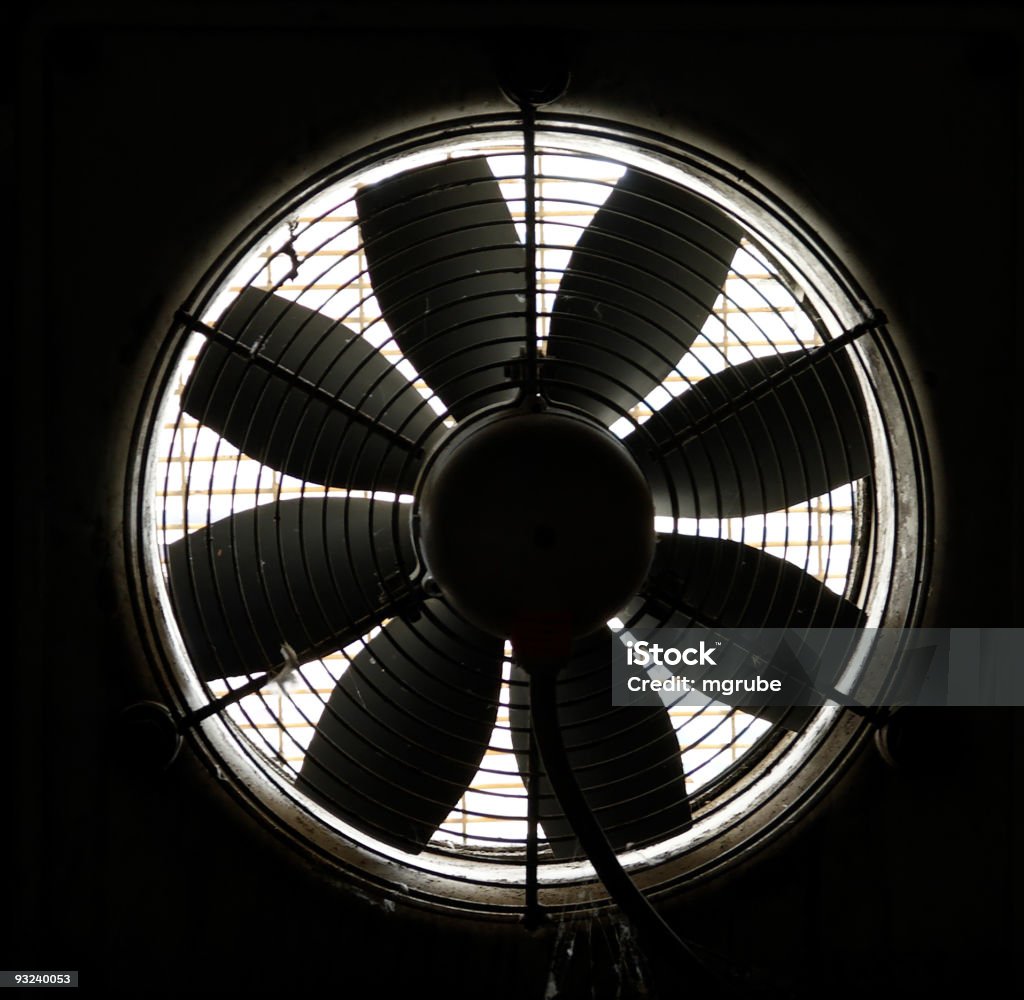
{"x":458,"y":415}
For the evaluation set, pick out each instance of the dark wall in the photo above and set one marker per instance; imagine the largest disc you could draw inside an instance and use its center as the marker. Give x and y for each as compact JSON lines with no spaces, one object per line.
{"x":143,"y":140}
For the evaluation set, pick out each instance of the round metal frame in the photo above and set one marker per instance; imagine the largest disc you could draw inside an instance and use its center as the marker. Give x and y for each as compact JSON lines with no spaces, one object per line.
{"x":780,"y":777}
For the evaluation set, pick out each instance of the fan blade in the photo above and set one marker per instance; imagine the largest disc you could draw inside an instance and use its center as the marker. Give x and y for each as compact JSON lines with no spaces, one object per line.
{"x":640,"y":284}
{"x":756,"y":437}
{"x":626,"y":759}
{"x":302,"y":393}
{"x":313,"y":573}
{"x":406,"y":728}
{"x":717,"y":583}
{"x":448,"y":271}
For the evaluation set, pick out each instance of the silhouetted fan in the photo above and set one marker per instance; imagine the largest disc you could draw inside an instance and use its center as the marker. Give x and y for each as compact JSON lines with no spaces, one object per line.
{"x":411,"y":717}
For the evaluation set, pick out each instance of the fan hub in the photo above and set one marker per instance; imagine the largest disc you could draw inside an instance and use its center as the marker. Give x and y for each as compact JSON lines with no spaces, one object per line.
{"x":528,"y":518}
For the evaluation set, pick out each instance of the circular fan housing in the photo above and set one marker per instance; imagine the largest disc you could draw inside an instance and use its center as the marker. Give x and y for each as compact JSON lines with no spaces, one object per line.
{"x":346,"y":507}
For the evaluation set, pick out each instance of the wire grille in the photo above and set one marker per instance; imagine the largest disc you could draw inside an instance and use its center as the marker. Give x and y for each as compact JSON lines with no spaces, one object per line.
{"x":317,"y":258}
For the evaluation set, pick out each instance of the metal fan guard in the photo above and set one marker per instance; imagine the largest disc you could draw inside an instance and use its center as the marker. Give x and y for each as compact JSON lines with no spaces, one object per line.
{"x":770,"y":786}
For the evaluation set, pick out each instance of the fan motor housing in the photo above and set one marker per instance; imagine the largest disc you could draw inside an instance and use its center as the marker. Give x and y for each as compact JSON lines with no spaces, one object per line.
{"x":527,"y":516}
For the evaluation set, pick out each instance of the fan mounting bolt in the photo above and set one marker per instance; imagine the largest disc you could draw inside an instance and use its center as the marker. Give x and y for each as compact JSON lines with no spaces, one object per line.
{"x":533,"y":81}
